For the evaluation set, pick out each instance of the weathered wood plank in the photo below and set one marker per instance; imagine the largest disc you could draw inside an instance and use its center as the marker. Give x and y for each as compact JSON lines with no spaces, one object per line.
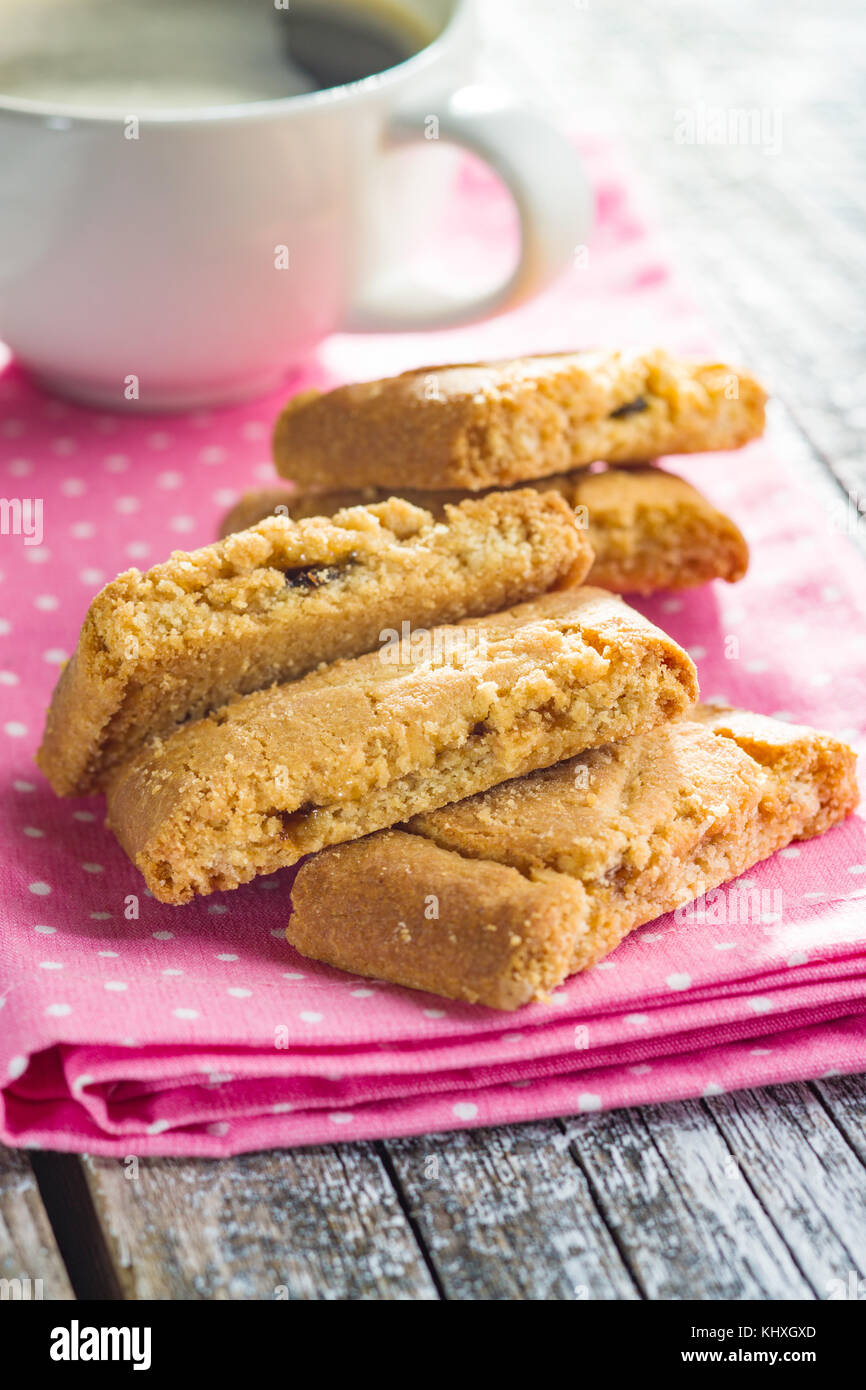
{"x":672,"y":1193}
{"x":76,"y":1228}
{"x":845,"y":1099}
{"x":308,"y":1224}
{"x":772,"y":243}
{"x":807,"y":1176}
{"x":795,"y":314}
{"x":506,"y":1214}
{"x":28,"y":1250}
{"x":722,"y":1200}
{"x":772,"y":231}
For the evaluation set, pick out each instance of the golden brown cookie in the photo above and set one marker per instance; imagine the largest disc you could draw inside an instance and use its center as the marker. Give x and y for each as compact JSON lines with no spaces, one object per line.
{"x":490,"y":424}
{"x":497,"y":899}
{"x":651,"y":530}
{"x":274,"y":601}
{"x":648,"y":529}
{"x":362,"y":744}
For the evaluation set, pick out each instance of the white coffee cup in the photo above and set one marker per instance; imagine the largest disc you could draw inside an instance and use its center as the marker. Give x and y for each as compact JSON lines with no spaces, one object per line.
{"x":190,"y":256}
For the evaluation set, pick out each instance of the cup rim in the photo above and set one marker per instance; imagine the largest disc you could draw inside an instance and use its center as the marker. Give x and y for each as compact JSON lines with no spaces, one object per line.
{"x":65,"y":115}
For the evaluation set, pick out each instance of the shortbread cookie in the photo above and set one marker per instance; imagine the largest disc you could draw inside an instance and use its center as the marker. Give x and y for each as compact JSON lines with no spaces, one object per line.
{"x":648,"y":529}
{"x":273,"y":602}
{"x":488,"y":424}
{"x":496,"y":900}
{"x":362,"y":744}
{"x":652,"y":530}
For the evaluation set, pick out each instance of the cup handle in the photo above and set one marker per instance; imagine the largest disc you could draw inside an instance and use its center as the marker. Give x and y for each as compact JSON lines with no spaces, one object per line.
{"x":544,"y":174}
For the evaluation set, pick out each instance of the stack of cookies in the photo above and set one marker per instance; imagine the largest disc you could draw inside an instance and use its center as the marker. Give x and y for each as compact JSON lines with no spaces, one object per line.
{"x":440,"y":434}
{"x":394,"y":670}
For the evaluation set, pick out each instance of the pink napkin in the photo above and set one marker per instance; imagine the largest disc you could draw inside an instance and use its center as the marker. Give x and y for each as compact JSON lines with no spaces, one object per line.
{"x":197,"y":1030}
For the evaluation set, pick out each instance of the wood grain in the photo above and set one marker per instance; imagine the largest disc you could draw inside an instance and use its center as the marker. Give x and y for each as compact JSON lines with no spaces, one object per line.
{"x":506,"y":1214}
{"x":309,"y":1224}
{"x":807,"y":1176}
{"x":28,"y":1249}
{"x":671,"y":1191}
{"x":771,"y":240}
{"x":753,"y":1195}
{"x":845,"y":1099}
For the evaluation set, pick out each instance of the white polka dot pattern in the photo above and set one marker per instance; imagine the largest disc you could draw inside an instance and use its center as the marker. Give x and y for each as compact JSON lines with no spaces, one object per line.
{"x":222,"y":1036}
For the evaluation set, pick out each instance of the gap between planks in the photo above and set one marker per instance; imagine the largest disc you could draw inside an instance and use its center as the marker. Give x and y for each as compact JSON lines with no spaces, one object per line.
{"x":28,"y":1248}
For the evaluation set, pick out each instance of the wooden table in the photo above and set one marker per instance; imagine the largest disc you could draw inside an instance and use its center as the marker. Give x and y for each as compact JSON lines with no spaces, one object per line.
{"x":749,"y":1196}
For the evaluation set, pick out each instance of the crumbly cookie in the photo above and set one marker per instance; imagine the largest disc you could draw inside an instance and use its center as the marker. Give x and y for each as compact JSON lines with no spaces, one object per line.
{"x":274,"y":601}
{"x":362,"y":744}
{"x":496,"y":900}
{"x":652,"y":530}
{"x":489,"y":424}
{"x":648,"y":529}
